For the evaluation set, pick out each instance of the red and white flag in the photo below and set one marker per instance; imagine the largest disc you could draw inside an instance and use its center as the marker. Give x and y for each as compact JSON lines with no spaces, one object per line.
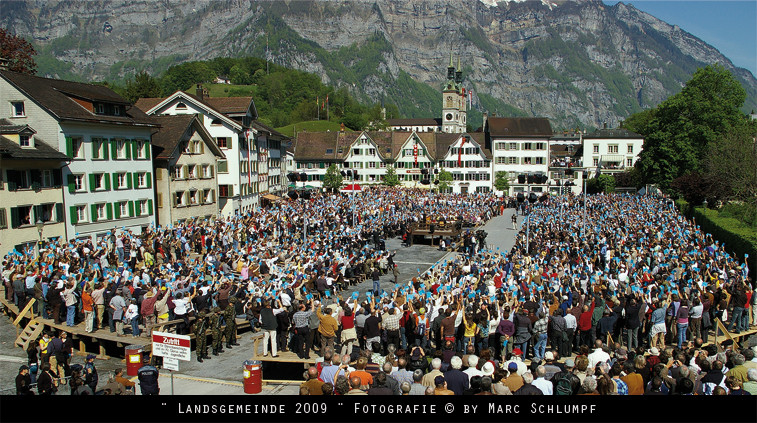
{"x":470,"y":99}
{"x":460,"y":153}
{"x":415,"y":153}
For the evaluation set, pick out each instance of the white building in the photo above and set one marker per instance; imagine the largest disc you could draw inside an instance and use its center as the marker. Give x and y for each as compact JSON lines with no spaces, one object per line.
{"x":611,"y":150}
{"x":520,"y":146}
{"x":109,"y":178}
{"x":243,"y":175}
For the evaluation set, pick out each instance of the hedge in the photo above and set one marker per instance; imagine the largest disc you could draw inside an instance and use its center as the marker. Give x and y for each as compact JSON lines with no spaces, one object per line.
{"x":739,"y":238}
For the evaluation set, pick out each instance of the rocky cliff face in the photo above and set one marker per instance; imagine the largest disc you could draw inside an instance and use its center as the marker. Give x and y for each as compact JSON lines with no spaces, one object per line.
{"x":578,"y":63}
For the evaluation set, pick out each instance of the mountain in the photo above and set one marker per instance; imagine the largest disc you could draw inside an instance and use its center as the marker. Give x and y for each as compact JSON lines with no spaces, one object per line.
{"x":575,"y":62}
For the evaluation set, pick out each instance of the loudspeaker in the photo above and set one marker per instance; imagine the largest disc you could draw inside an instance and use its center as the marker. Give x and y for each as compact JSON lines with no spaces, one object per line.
{"x":520,"y":197}
{"x":306,"y":195}
{"x":531,"y":179}
{"x":303,"y":177}
{"x":532,"y":198}
{"x":425,"y":182}
{"x":293,"y":195}
{"x":521,"y":179}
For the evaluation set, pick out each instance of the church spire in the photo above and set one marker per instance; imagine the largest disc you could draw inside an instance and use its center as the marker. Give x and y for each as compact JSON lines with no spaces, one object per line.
{"x":450,"y":69}
{"x":459,"y":73}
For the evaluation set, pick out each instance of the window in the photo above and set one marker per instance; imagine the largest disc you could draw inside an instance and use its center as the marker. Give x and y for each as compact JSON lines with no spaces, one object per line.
{"x":81,"y":213}
{"x":372,"y":151}
{"x":142,"y":180}
{"x":143,"y":208}
{"x":612,"y":149}
{"x":179,"y":199}
{"x":629,"y":162}
{"x":100,"y":109}
{"x":123,"y":208}
{"x":101,"y":213}
{"x":329,"y":151}
{"x":141,"y":144}
{"x":223,"y":166}
{"x":512,"y":160}
{"x":500,"y":146}
{"x":527,"y":146}
{"x":407,"y":152}
{"x":17,"y":109}
{"x":355,"y":151}
{"x":501,"y":160}
{"x":372,"y":165}
{"x":540,"y":146}
{"x":117,"y":110}
{"x":78,"y":182}
{"x":181,"y":106}
{"x":194,"y":198}
{"x":207,"y":171}
{"x":208,"y":196}
{"x":539,"y":160}
{"x":25,"y":141}
{"x":224,"y":191}
{"x":76,"y":148}
{"x":97,"y":181}
{"x":596,"y":162}
{"x":97,"y":148}
{"x":192,"y":170}
{"x":630,"y":148}
{"x":222,"y":142}
{"x":513,"y":146}
{"x":527,"y":160}
{"x":596,"y":148}
{"x":121,"y":147}
{"x":214,"y":122}
{"x":47,"y":178}
{"x":3,"y":219}
{"x":21,"y":216}
{"x":122,"y":181}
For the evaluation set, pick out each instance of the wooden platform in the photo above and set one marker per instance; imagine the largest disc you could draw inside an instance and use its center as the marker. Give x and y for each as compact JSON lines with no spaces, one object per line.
{"x":283,"y":357}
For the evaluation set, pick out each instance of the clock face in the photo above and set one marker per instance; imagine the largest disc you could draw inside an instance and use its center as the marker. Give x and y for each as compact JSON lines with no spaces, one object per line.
{"x":449,"y":98}
{"x":449,"y":116}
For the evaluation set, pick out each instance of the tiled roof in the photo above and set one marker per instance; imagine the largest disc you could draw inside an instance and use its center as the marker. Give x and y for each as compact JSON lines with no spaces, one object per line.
{"x":41,"y":151}
{"x":519,"y":127}
{"x":57,"y":95}
{"x":612,"y":134}
{"x":173,"y":130}
{"x":415,"y":122}
{"x":145,"y":104}
{"x":228,"y":105}
{"x":261,"y":126}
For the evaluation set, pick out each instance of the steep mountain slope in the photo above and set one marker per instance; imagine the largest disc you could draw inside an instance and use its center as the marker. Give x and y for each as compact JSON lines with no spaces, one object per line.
{"x":578,"y":63}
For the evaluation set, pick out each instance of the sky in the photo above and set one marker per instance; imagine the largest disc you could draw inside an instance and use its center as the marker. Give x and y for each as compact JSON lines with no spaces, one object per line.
{"x":728,"y":25}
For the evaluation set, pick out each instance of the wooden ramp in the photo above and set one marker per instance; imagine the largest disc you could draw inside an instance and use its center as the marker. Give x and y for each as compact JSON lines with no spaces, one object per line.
{"x":30,"y":334}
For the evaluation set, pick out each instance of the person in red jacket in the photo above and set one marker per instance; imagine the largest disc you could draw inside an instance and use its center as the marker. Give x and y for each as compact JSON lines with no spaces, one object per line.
{"x":584,"y":323}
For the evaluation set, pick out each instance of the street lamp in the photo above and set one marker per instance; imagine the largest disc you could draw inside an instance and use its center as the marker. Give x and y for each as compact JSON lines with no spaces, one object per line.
{"x":40,"y":227}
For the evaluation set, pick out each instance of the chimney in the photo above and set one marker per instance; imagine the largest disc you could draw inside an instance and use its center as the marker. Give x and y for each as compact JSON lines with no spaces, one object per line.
{"x":604,"y":125}
{"x":341,"y":127}
{"x":494,"y":114}
{"x":201,"y":92}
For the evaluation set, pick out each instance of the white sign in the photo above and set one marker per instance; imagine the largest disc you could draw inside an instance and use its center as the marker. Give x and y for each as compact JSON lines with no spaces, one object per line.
{"x":171,"y":345}
{"x":171,"y":364}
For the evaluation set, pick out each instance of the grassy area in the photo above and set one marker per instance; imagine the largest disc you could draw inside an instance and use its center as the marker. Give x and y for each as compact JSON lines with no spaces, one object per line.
{"x":311,"y":126}
{"x":226,"y":90}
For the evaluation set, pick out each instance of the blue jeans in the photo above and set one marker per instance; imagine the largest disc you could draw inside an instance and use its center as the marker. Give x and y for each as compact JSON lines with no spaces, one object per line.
{"x":738,"y":312}
{"x":70,"y":314}
{"x":120,"y":253}
{"x":633,"y":338}
{"x":682,"y":333}
{"x":524,"y":348}
{"x":403,"y":338}
{"x":540,"y":347}
{"x":135,"y":326}
{"x":377,"y":287}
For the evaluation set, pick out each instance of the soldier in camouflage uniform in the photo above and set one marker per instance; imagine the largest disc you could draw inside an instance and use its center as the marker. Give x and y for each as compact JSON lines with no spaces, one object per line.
{"x":229,"y":315}
{"x":200,"y":328}
{"x":215,"y":327}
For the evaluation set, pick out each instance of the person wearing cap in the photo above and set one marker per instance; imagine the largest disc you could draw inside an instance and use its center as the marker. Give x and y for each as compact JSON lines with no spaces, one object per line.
{"x":90,"y":373}
{"x":440,"y":386}
{"x":24,"y":381}
{"x":551,"y":367}
{"x":513,"y":381}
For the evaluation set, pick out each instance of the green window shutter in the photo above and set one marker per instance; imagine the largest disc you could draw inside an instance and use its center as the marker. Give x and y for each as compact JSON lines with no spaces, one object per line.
{"x":128,"y":180}
{"x":93,"y":213}
{"x":74,"y":216}
{"x":105,"y":148}
{"x":149,"y":207}
{"x":71,"y":183}
{"x":109,"y":211}
{"x":213,"y":195}
{"x":15,"y":223}
{"x":148,"y":179}
{"x":59,"y":212}
{"x":134,"y":149}
{"x":229,"y":142}
{"x":37,"y":213}
{"x":95,"y":150}
{"x":92,"y":182}
{"x":135,"y":175}
{"x":115,"y":180}
{"x":107,"y":182}
{"x":128,"y":146}
{"x":147,"y":150}
{"x":117,"y":210}
{"x":135,"y":206}
{"x":131,"y":208}
{"x":113,"y":149}
{"x":69,"y":147}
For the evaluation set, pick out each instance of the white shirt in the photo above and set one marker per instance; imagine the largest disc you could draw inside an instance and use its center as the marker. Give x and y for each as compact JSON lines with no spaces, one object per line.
{"x":598,"y":356}
{"x":472,"y":371}
{"x":544,"y":385}
{"x":570,"y":321}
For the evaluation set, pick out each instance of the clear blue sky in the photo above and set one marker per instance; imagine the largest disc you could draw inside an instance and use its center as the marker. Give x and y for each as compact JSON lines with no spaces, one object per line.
{"x":728,"y":25}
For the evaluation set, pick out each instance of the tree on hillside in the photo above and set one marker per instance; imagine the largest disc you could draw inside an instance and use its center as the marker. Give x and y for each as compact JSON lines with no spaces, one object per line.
{"x":731,"y":164}
{"x":679,"y":131}
{"x":332,"y":179}
{"x":390,"y":178}
{"x":19,"y":53}
{"x":500,"y":181}
{"x":445,"y":181}
{"x":142,"y":86}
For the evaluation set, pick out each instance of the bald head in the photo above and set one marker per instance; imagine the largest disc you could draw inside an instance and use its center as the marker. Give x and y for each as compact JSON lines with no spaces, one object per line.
{"x":312,"y":373}
{"x":355,"y":382}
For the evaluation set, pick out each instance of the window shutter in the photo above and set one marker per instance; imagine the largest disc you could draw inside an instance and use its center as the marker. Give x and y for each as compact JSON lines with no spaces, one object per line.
{"x":93,"y":212}
{"x":148,"y":179}
{"x":202,"y":147}
{"x":105,"y":149}
{"x":69,"y":147}
{"x":15,"y":223}
{"x":213,"y":195}
{"x":131,"y":209}
{"x":117,"y":210}
{"x":115,"y":180}
{"x":71,"y":183}
{"x":128,"y":180}
{"x":37,"y":213}
{"x":135,"y":175}
{"x":229,"y":142}
{"x":73,"y":215}
{"x":57,"y":176}
{"x":107,"y":181}
{"x":185,"y":172}
{"x":159,"y":174}
{"x":59,"y":212}
{"x":113,"y":149}
{"x":95,"y":150}
{"x":160,"y":200}
{"x":147,"y":150}
{"x":134,"y":149}
{"x":3,"y":219}
{"x":128,"y":145}
{"x":92,"y":185}
{"x":149,"y":207}
{"x":173,"y":200}
{"x":109,"y":211}
{"x":211,"y":171}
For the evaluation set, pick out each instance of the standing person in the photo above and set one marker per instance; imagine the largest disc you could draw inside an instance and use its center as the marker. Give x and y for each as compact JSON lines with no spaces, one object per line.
{"x":327,"y":328}
{"x":633,"y":323}
{"x":24,"y":381}
{"x":682,"y":321}
{"x":376,"y":277}
{"x":216,"y":332}
{"x":201,"y":338}
{"x":132,"y":317}
{"x":229,"y":316}
{"x":99,"y":304}
{"x":349,"y":335}
{"x":87,"y":306}
{"x":47,"y":383}
{"x":302,"y":331}
{"x":90,"y":373}
{"x":268,"y":323}
{"x":148,"y":380}
{"x":118,"y":307}
{"x":514,"y":219}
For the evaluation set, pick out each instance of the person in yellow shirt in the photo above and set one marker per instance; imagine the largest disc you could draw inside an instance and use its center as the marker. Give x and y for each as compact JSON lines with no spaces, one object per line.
{"x":327,"y":328}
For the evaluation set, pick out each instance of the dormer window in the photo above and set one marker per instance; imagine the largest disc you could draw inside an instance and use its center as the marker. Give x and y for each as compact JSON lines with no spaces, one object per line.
{"x":25,"y":141}
{"x":17,"y":109}
{"x":214,"y":122}
{"x":117,"y":110}
{"x":100,"y":109}
{"x":181,"y":106}
{"x":329,"y":151}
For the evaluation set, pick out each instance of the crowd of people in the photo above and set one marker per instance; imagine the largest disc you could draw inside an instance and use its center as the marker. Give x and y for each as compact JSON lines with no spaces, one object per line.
{"x":612,"y":294}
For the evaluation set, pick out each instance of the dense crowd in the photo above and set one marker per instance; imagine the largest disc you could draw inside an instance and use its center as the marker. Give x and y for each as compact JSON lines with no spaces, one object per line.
{"x":616,"y":295}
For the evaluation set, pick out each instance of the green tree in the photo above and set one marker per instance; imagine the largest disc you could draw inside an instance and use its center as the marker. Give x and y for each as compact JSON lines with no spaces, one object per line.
{"x":332,"y":179}
{"x":390,"y":178}
{"x":445,"y":181}
{"x":19,"y":53}
{"x":731,"y":164}
{"x":142,"y":86}
{"x":501,"y":182}
{"x":680,"y":130}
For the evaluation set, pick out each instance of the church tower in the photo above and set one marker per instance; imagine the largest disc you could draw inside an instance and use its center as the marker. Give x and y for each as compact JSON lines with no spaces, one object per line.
{"x":453,"y":100}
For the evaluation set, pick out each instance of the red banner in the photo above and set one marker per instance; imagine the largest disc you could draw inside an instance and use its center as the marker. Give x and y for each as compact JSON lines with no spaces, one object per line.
{"x":415,"y":153}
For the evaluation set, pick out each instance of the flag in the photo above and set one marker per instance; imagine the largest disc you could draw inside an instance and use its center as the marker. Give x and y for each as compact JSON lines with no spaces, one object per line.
{"x":460,"y":153}
{"x":470,"y":99}
{"x":323,"y":105}
{"x":415,"y":153}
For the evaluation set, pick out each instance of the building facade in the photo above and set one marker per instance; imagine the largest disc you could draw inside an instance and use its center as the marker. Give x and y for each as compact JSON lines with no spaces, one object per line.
{"x":109,"y":176}
{"x":611,"y":150}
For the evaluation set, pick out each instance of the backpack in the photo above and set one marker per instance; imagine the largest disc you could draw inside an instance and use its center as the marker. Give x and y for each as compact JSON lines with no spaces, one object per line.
{"x":410,"y":323}
{"x":422,"y":326}
{"x":563,"y":386}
